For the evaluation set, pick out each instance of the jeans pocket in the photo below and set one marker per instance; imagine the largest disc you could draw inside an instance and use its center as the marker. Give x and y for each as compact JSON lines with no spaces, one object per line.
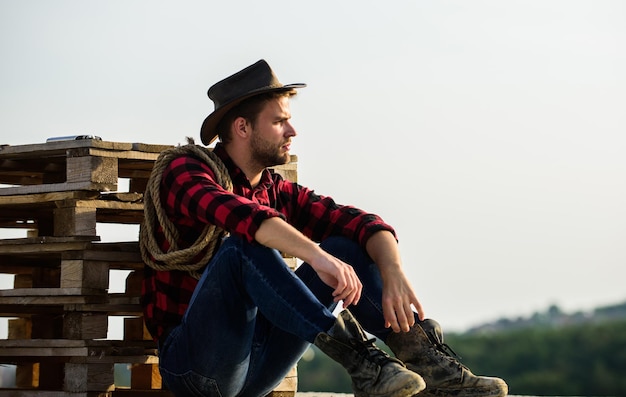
{"x":190,"y":384}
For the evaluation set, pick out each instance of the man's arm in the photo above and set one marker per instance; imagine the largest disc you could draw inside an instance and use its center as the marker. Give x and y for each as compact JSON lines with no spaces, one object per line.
{"x":278,"y":234}
{"x":398,"y":295}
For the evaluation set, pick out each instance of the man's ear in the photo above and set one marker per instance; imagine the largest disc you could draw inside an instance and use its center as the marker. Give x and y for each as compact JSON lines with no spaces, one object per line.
{"x":241,"y":127}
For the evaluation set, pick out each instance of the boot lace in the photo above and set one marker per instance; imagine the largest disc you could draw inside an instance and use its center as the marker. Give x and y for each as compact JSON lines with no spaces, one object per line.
{"x":373,"y":353}
{"x":439,"y":346}
{"x":442,"y":347}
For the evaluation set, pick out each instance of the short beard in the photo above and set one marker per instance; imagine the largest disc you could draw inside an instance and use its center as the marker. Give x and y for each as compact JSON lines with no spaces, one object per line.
{"x":265,"y":154}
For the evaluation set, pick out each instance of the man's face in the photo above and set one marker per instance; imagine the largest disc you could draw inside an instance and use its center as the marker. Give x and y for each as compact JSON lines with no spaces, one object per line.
{"x":271,"y":137}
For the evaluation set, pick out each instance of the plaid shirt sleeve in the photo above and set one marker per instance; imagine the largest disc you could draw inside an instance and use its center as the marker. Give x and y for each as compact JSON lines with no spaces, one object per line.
{"x":319,"y":217}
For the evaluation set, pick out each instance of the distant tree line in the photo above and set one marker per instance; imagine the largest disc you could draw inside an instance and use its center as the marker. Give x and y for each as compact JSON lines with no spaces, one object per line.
{"x":577,"y":360}
{"x":555,"y":317}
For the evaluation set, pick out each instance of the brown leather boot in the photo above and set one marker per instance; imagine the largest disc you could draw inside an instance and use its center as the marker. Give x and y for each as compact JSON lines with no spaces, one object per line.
{"x":373,"y":372}
{"x":422,"y":350}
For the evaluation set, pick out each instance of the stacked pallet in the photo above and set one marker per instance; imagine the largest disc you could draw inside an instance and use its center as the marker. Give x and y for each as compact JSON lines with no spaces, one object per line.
{"x":60,"y":305}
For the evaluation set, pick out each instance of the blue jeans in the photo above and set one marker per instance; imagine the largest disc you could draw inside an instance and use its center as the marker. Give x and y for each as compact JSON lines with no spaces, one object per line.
{"x":251,"y":318}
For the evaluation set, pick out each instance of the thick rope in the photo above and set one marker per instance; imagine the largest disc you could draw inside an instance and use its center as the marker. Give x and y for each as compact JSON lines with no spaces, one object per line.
{"x":154,"y":215}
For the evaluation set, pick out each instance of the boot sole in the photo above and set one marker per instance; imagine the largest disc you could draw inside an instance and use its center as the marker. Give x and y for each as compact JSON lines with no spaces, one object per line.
{"x":465,"y":392}
{"x":408,"y":390}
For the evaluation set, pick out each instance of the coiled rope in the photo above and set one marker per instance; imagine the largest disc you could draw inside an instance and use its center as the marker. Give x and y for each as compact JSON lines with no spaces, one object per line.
{"x":185,"y":259}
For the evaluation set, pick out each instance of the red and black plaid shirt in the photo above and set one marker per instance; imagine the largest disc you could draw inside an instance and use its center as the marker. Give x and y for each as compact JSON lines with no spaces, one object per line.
{"x":192,"y":199}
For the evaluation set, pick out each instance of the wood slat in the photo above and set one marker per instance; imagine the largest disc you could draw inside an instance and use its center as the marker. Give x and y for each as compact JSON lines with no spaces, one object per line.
{"x":13,"y":305}
{"x":46,"y":393}
{"x":73,"y":343}
{"x":51,"y":292}
{"x":58,"y":148}
{"x":46,"y":245}
{"x":58,"y":187}
{"x":45,"y":198}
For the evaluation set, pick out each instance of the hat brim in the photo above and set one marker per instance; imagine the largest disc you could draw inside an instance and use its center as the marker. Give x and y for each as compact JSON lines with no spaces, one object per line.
{"x":208,"y":131}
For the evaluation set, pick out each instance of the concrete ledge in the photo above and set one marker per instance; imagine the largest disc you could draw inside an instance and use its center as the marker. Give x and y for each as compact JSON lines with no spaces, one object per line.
{"x":322,"y":394}
{"x":335,"y":394}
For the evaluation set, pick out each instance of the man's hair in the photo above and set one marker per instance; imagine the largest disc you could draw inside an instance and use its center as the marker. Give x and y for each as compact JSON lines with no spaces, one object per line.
{"x":249,"y":109}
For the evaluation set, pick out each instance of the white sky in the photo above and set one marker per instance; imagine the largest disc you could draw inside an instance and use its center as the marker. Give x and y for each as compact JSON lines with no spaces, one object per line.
{"x":491,"y":134}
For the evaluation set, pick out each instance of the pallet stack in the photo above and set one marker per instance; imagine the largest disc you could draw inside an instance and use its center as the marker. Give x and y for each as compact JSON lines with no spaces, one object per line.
{"x":60,"y":305}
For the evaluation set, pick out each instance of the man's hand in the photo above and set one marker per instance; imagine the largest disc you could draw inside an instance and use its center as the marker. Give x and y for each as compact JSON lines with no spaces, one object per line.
{"x":338,"y":275}
{"x":399,"y":302}
{"x":399,"y":299}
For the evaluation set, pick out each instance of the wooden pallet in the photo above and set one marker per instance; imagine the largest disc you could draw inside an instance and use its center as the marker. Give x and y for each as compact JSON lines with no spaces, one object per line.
{"x":60,"y":306}
{"x":89,"y":165}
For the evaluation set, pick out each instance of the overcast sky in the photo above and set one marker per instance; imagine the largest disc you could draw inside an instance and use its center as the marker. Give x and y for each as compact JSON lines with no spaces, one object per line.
{"x":491,"y":134}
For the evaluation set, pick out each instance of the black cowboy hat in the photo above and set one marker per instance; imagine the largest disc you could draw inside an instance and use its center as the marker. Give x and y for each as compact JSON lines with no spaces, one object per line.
{"x":257,"y":78}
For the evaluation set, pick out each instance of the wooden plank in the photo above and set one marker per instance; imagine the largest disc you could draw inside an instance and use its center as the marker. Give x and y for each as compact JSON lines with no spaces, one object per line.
{"x":118,"y":359}
{"x":50,"y":393}
{"x":21,"y":301}
{"x":92,"y":168}
{"x":19,"y":256}
{"x":58,"y":187}
{"x":19,"y":353}
{"x":44,"y":245}
{"x":52,"y":292}
{"x":72,"y":218}
{"x":84,"y":274}
{"x":58,"y":148}
{"x":126,"y":251}
{"x":125,"y":155}
{"x":117,"y":304}
{"x":116,"y":200}
{"x":74,"y":221}
{"x":153,"y":148}
{"x":116,"y":344}
{"x":45,"y":198}
{"x":77,"y":325}
{"x":108,"y":204}
{"x":78,"y":351}
{"x":128,"y":197}
{"x":88,"y":377}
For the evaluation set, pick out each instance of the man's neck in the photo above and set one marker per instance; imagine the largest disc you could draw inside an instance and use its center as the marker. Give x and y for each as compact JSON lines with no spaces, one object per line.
{"x":243,"y":160}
